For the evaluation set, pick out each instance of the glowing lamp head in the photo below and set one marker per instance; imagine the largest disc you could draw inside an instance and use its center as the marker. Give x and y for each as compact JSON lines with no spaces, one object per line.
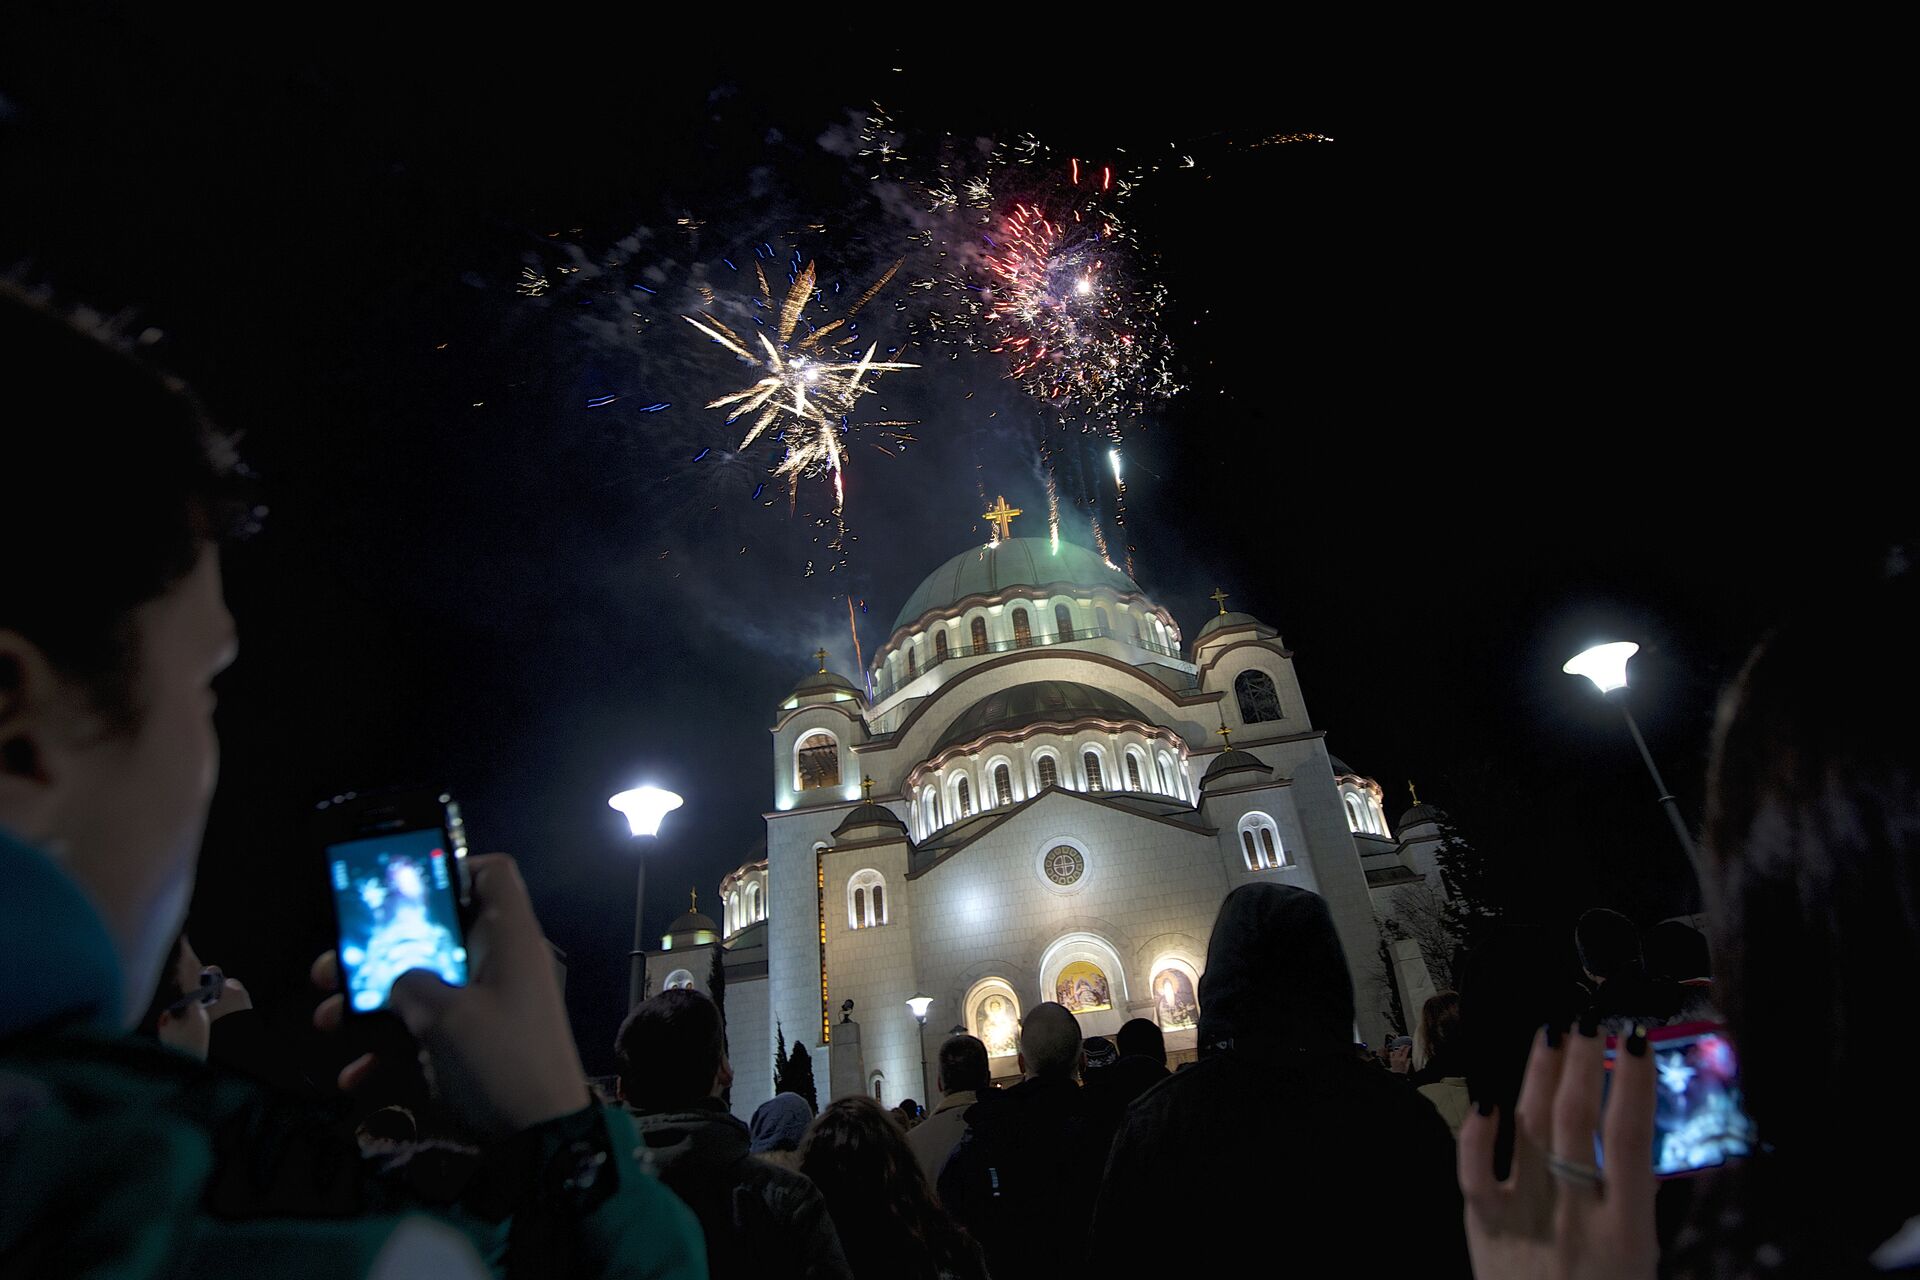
{"x":1604,"y":664}
{"x":645,"y":807}
{"x":919,"y":1006}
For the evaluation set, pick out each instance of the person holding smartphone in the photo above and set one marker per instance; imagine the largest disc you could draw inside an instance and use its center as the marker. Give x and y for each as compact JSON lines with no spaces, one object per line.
{"x":1812,"y":876}
{"x":115,"y":1152}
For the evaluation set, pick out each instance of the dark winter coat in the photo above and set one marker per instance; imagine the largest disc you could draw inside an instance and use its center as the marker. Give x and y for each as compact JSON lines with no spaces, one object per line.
{"x":760,"y":1220}
{"x":1278,"y":1122}
{"x":1010,"y":1181}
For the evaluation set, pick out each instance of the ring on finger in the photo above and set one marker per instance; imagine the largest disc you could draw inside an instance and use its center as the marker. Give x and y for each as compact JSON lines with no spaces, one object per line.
{"x":1587,"y":1175}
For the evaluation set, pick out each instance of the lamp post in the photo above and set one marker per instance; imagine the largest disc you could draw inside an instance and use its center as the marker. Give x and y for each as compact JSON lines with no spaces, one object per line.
{"x":918,"y":1005}
{"x":1606,"y":666}
{"x":644,"y":807}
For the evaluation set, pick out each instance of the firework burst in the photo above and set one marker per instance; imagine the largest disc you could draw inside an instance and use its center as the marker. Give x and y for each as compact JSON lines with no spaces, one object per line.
{"x":812,"y":380}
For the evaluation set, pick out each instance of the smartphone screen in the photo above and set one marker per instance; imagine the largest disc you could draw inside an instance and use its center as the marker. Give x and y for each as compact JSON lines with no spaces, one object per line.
{"x":397,"y":903}
{"x":1698,"y":1121}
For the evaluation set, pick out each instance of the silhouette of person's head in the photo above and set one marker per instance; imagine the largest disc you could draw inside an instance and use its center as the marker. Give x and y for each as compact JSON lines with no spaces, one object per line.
{"x":672,"y":1053}
{"x":1609,"y":945}
{"x":1141,"y":1038}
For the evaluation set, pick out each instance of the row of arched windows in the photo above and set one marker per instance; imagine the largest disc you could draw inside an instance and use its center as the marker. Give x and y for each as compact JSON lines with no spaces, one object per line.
{"x":744,"y":906}
{"x":1143,"y":628}
{"x":953,"y":798}
{"x":1363,"y":813}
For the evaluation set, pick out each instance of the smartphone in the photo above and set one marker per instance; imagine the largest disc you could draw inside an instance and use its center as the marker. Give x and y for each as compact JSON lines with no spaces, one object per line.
{"x":396,"y":865}
{"x":1698,"y":1120}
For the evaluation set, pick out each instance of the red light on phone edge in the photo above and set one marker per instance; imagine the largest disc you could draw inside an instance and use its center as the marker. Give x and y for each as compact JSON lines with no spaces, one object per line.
{"x":439,"y":854}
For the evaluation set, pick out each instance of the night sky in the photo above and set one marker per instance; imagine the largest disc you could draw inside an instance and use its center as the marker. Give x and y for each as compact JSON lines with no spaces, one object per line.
{"x":1456,"y":406}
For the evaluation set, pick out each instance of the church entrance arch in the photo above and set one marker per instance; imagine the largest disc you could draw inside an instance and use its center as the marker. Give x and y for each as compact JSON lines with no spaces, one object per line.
{"x":1083,"y":972}
{"x":993,"y":1016}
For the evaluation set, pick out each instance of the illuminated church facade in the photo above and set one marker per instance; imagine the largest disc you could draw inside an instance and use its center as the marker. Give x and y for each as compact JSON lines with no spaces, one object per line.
{"x":1046,"y":797}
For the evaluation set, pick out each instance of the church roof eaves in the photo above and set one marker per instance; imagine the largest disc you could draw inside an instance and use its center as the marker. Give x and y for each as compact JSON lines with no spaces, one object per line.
{"x":1213,"y":660}
{"x":1383,"y":877}
{"x":946,"y":850}
{"x":851,"y":710}
{"x":1190,"y":698}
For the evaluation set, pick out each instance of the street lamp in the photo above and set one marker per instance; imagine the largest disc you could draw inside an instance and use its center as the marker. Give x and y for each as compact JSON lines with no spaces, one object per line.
{"x":1606,"y":666}
{"x":644,"y":807}
{"x":918,"y":1006}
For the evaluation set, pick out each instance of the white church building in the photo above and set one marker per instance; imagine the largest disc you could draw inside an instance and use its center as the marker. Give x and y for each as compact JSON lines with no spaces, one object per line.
{"x":1046,"y":797}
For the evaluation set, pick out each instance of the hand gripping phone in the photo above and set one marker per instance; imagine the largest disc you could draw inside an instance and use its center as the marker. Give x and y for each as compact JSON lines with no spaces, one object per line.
{"x":396,"y":866}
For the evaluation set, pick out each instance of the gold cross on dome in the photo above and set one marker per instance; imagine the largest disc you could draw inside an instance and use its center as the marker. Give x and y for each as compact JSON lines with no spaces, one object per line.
{"x":1412,"y":792}
{"x":693,"y":897}
{"x":1225,"y":733}
{"x":1219,"y":597}
{"x":1000,"y":515}
{"x":820,"y":656}
{"x":866,"y":790}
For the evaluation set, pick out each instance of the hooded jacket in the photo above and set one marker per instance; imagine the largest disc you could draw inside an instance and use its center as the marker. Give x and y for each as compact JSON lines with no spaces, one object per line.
{"x":760,"y":1220}
{"x":1278,"y":1116}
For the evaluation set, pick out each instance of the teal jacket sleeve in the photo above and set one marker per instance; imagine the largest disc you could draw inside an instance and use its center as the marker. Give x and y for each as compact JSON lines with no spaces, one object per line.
{"x":582,"y":1204}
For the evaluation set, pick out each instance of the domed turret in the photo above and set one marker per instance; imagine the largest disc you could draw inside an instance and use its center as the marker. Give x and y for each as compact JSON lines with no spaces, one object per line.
{"x":690,"y":929}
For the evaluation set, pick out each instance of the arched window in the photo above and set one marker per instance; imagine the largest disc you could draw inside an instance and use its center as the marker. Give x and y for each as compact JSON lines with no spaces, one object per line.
{"x":1003,"y":785}
{"x":1174,"y":995}
{"x":979,"y":633}
{"x":1259,"y":700}
{"x":940,"y":646}
{"x":1022,"y":629}
{"x":1133,"y":773}
{"x":1092,"y":762}
{"x":875,"y":1085}
{"x":866,"y":900}
{"x":1260,"y":843}
{"x":963,"y":795}
{"x":753,"y":902}
{"x":1101,"y":620}
{"x":678,"y":980}
{"x":817,"y":762}
{"x":1049,"y":772}
{"x":1134,"y":618}
{"x":1063,"y":621}
{"x":913,"y":662}
{"x":929,"y":810}
{"x":1356,"y":813}
{"x":1169,"y":776}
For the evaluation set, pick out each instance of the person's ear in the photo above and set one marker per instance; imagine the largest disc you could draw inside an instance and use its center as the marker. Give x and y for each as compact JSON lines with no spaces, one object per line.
{"x":30,"y":753}
{"x":723,"y":1078}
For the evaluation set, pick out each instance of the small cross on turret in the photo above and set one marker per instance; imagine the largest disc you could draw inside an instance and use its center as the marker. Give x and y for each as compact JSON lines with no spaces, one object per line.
{"x":1219,"y":597}
{"x":866,"y":790}
{"x":820,"y":656}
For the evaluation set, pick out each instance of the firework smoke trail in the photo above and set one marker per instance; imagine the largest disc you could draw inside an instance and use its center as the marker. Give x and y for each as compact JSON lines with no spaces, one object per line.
{"x":1053,"y":512}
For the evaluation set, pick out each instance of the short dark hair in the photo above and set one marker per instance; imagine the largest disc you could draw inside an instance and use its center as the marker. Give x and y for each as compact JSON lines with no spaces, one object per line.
{"x":116,"y":481}
{"x":963,"y":1065}
{"x":1142,"y":1038}
{"x":1609,"y":944}
{"x":669,"y":1050}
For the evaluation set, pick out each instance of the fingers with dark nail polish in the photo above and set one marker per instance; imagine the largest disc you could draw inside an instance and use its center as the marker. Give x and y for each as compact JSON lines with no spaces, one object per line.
{"x":1554,"y":1032}
{"x":1589,"y":1024}
{"x":1637,"y":1042}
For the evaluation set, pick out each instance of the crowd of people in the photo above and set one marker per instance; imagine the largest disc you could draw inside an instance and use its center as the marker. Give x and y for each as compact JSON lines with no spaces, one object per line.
{"x":150,"y":1126}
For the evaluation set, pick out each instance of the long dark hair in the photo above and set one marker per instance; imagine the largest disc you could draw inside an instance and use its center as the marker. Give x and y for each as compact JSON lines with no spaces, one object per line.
{"x":889,"y":1220}
{"x":1438,"y":1037}
{"x":1813,"y":880}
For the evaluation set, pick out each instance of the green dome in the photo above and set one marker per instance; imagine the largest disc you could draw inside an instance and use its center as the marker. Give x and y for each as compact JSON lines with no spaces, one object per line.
{"x":1039,"y":702}
{"x":1018,"y":562}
